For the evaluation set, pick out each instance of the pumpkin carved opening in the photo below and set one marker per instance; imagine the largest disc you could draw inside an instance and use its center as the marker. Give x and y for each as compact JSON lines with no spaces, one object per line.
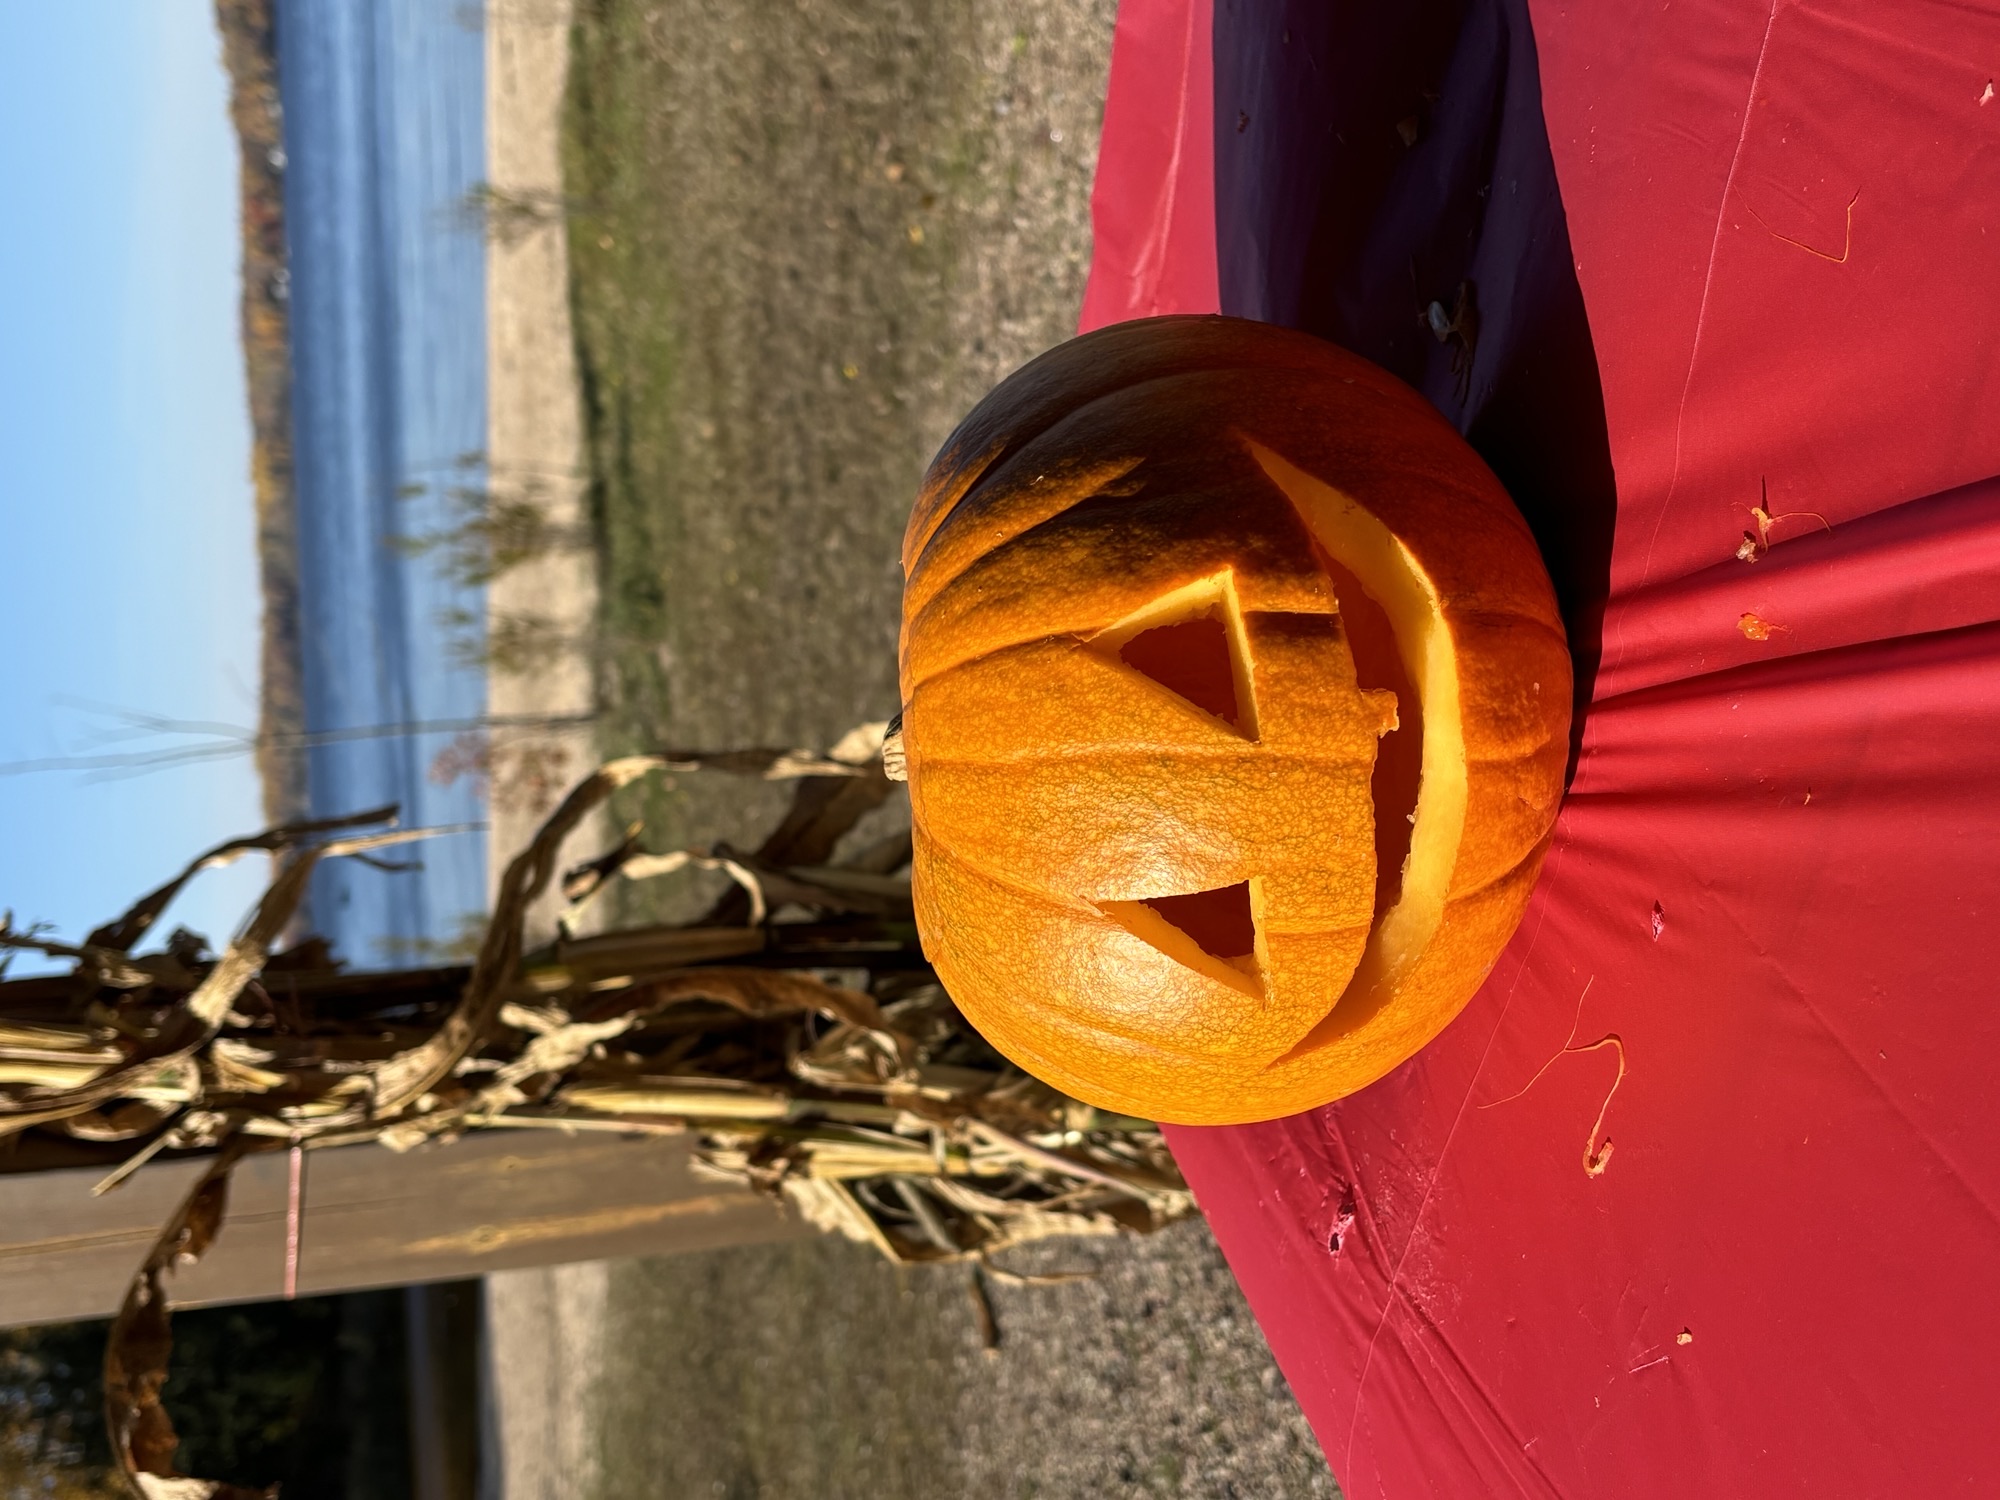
{"x":1192,"y":643}
{"x":1389,"y":577}
{"x":1219,"y":921}
{"x":1191,"y":658}
{"x":1212,"y":932}
{"x":1399,"y":755}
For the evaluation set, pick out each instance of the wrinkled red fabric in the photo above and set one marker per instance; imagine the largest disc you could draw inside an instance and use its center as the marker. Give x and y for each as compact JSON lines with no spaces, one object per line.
{"x":1701,"y":1194}
{"x":1153,"y":224}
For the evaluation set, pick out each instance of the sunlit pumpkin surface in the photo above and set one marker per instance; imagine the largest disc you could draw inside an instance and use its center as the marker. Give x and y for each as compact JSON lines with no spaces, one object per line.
{"x":1235,"y":710}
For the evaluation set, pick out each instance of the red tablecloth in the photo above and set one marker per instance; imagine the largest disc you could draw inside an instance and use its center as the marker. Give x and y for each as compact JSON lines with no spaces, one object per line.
{"x":1758,"y":981}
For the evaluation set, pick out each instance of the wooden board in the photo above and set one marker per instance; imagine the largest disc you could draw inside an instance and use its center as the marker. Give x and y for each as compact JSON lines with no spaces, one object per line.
{"x":370,"y":1217}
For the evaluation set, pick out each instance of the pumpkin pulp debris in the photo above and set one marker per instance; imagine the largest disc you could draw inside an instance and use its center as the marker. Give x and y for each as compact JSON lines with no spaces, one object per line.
{"x":1235,"y":715}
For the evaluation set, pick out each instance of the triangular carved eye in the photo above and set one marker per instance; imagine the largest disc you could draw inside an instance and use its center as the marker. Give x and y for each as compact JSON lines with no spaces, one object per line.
{"x":1212,"y":932}
{"x":1191,"y":642}
{"x":1191,"y":658}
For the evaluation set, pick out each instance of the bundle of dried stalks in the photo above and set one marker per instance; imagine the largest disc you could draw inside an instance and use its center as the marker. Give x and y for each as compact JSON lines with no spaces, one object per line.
{"x":794,"y":1032}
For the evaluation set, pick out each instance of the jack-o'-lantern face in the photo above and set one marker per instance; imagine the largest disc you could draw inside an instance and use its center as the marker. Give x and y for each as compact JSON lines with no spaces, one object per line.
{"x":1203,"y":828}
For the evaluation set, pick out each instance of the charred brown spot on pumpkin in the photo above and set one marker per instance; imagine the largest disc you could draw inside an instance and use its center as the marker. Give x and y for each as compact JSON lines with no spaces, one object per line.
{"x":948,"y":482}
{"x":1003,"y":507}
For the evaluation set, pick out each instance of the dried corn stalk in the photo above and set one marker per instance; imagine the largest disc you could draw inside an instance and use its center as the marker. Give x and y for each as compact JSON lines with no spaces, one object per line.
{"x":794,"y":1033}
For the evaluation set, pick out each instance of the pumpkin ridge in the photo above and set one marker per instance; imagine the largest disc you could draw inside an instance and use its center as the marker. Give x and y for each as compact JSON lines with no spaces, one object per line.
{"x":1034,"y":754}
{"x":1073,"y":905}
{"x":1093,"y":1022}
{"x":1487,"y":618}
{"x":1087,"y":482}
{"x":947,"y":664}
{"x":984,"y":655}
{"x":1534,"y":852}
{"x":1093,"y":1026}
{"x":1515,"y":757}
{"x":992,"y":469}
{"x":1219,"y":361}
{"x":1145,"y":921}
{"x":1153,"y":685}
{"x":963,"y":478}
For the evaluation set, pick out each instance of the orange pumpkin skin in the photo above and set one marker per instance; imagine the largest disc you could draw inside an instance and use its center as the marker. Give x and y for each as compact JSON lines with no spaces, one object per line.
{"x":1235,"y":710}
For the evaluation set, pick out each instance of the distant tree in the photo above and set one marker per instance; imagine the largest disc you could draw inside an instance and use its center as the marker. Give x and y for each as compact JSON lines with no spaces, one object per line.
{"x":490,"y":529}
{"x":510,"y":215}
{"x":312,"y":1393}
{"x":51,"y":1420}
{"x":513,"y":645}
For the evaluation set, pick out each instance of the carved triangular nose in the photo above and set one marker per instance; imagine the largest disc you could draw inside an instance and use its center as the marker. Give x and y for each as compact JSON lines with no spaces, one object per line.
{"x":1219,"y":921}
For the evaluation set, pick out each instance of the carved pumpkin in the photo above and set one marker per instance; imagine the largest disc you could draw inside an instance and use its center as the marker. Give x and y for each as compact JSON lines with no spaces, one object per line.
{"x":1236,"y":706}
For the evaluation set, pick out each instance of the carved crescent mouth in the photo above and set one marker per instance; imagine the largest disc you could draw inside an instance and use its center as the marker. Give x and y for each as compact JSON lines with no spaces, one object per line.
{"x":1370,"y":554}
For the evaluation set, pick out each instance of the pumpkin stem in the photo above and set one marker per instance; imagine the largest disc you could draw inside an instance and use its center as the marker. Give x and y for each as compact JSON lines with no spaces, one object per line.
{"x":894,"y":765}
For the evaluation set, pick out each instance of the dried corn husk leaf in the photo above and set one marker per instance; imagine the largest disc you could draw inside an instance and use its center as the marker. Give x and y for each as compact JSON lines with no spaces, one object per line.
{"x":559,"y":1043}
{"x":884,"y":1119}
{"x":137,"y":1351}
{"x":122,"y":935}
{"x":49,"y":1072}
{"x":238,"y":1066}
{"x":764,"y":993}
{"x":407,"y":1077}
{"x":830,"y":1208}
{"x":613,"y":960}
{"x":688,"y":1098}
{"x":634,"y":864}
{"x":202,"y":1014}
{"x":85,"y":1043}
{"x":122,"y":1122}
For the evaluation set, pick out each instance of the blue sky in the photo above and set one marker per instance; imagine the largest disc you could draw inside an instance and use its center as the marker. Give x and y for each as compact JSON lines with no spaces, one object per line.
{"x":129,"y":568}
